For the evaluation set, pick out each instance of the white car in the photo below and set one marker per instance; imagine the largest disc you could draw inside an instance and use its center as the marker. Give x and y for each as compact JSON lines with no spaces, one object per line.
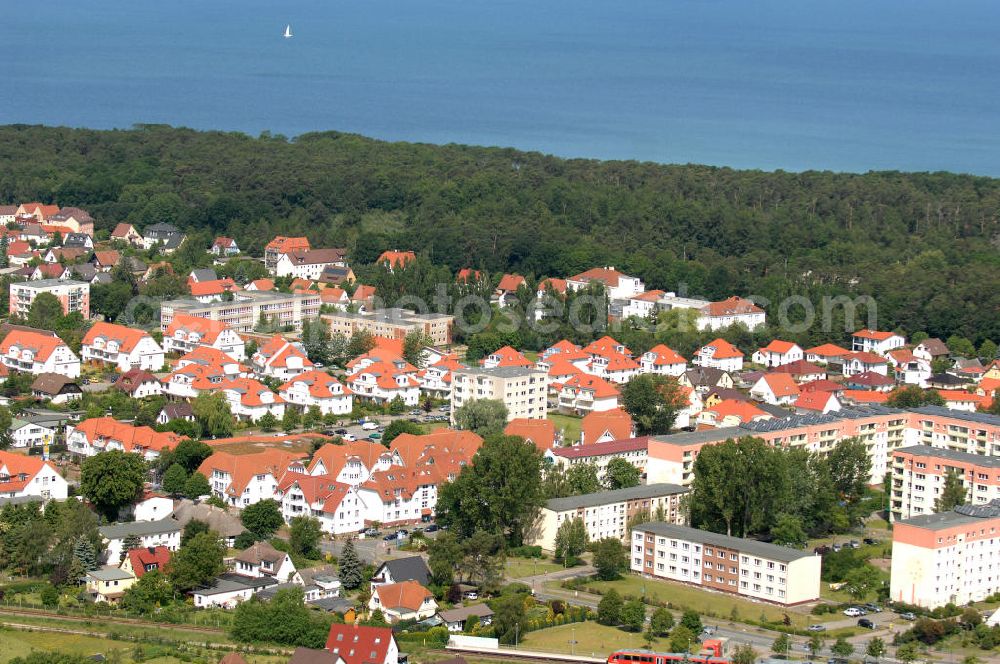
{"x":853,"y":612}
{"x":369,"y":426}
{"x":349,"y":437}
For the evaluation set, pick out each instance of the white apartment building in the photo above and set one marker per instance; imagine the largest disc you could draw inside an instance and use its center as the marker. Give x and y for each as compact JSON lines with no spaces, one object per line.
{"x":521,"y":389}
{"x":124,"y":347}
{"x":948,"y":557}
{"x":309,"y":263}
{"x":22,"y":475}
{"x":722,"y":563}
{"x":318,"y":388}
{"x":607,"y":513}
{"x":873,"y":341}
{"x":165,"y":532}
{"x":732,"y":311}
{"x":248,"y":308}
{"x":37,"y":352}
{"x":185,"y":333}
{"x":336,"y":505}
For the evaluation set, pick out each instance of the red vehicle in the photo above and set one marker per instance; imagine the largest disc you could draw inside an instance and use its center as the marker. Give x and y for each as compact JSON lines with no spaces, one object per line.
{"x":650,"y":657}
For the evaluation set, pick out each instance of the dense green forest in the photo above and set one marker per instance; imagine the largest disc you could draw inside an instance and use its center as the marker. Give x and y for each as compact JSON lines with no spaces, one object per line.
{"x":925,"y":246}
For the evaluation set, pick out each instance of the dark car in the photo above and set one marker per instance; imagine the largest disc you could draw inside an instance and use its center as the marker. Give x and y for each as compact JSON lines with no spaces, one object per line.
{"x":822,"y":550}
{"x":866,"y":623}
{"x":432,"y":528}
{"x":340,"y":432}
{"x":870,"y":540}
{"x":390,"y":537}
{"x":874,"y":608}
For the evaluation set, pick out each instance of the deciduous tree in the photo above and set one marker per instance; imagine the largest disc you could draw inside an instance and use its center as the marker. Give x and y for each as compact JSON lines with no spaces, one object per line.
{"x":111,"y":480}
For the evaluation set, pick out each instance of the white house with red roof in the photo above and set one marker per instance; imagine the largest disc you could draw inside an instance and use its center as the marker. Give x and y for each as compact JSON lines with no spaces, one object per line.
{"x":184,"y":333}
{"x":224,"y":246}
{"x":778,"y":353}
{"x":334,"y":503}
{"x":662,"y":361}
{"x":732,"y":311}
{"x":406,"y":600}
{"x":540,"y":432}
{"x":121,"y":346}
{"x":826,"y":353}
{"x":202,"y":370}
{"x":776,"y":389}
{"x":350,"y":462}
{"x":505,"y":357}
{"x":908,"y":367}
{"x":320,"y":389}
{"x":731,"y":413}
{"x":617,"y":285}
{"x":642,"y":305}
{"x":435,"y":379}
{"x":584,"y":394}
{"x":22,"y":475}
{"x":280,"y":359}
{"x":144,"y":559}
{"x":360,"y":644}
{"x":802,"y":371}
{"x":383,"y":381}
{"x":37,"y":352}
{"x":607,"y":425}
{"x":214,"y":290}
{"x":864,"y":361}
{"x":127,"y":233}
{"x":507,"y":288}
{"x":873,"y":341}
{"x":817,"y":401}
{"x":610,"y":360}
{"x":245,"y":479}
{"x":336,"y":297}
{"x":250,"y":400}
{"x":719,"y":354}
{"x":102,"y":434}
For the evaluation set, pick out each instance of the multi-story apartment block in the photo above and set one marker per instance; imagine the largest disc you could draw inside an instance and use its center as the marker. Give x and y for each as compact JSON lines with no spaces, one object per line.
{"x":521,"y":389}
{"x":280,"y":246}
{"x":735,"y":310}
{"x":919,"y":472}
{"x":124,"y":347}
{"x":245,"y":479}
{"x":248,"y":309}
{"x":950,"y":557}
{"x":973,"y":433}
{"x":607,"y":513}
{"x":633,"y":450}
{"x":186,"y":333}
{"x":309,"y":263}
{"x":74,"y":296}
{"x":38,"y":352}
{"x":725,"y":564}
{"x":393,"y":323}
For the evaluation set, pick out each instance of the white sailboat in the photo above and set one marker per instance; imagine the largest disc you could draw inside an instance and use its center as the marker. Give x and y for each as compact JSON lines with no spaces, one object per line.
{"x":288,"y":32}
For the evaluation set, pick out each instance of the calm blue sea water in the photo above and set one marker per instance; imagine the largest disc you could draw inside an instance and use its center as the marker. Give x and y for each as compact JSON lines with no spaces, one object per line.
{"x":793,"y":84}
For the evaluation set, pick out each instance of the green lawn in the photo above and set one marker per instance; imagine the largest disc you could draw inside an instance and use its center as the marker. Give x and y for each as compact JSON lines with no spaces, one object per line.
{"x":569,"y":425}
{"x":593,"y":639}
{"x":518,"y":568}
{"x":707,"y":603}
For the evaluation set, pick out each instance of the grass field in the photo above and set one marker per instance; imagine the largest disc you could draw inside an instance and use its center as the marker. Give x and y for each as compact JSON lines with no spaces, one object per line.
{"x":15,"y":643}
{"x":592,"y":639}
{"x":702,"y":601}
{"x":518,"y":568}
{"x":569,"y":425}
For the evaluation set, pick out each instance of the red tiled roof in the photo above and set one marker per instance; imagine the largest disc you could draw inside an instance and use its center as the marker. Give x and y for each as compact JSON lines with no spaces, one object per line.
{"x":781,"y":384}
{"x":321,"y":384}
{"x":828,"y":350}
{"x":213,"y":287}
{"x":871,"y":379}
{"x":723,"y":349}
{"x":664,"y":355}
{"x":865,"y":396}
{"x":109,"y":257}
{"x":732,"y":306}
{"x":607,"y":276}
{"x":156,"y":556}
{"x":541,"y":432}
{"x":244,"y":467}
{"x":262,"y":284}
{"x":815,"y":400}
{"x":865,"y":357}
{"x":873,"y":335}
{"x":359,"y":644}
{"x":131,"y":437}
{"x":284,"y":244}
{"x":406,"y":595}
{"x":509,"y":283}
{"x":821,"y":385}
{"x":743,"y":410}
{"x":553,"y":284}
{"x":209,"y":330}
{"x":615,"y":422}
{"x":396,"y":258}
{"x":509,"y":357}
{"x":779,"y":347}
{"x":128,"y":338}
{"x":21,"y":469}
{"x":602,"y":449}
{"x":601,"y":388}
{"x":41,"y":343}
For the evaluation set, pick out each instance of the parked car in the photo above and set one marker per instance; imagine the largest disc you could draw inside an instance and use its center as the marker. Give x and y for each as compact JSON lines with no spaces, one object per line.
{"x":369,"y":426}
{"x":444,"y":409}
{"x":375,"y":435}
{"x":349,"y":437}
{"x":471,"y":594}
{"x":416,"y":411}
{"x":340,"y":432}
{"x":432,"y":528}
{"x":874,"y":608}
{"x":817,"y":628}
{"x":866,"y":623}
{"x":372,"y":532}
{"x":870,"y":540}
{"x":822,"y":550}
{"x":908,"y":616}
{"x":853,"y":612}
{"x":837,"y":547}
{"x":854,"y":544}
{"x":390,"y":537}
